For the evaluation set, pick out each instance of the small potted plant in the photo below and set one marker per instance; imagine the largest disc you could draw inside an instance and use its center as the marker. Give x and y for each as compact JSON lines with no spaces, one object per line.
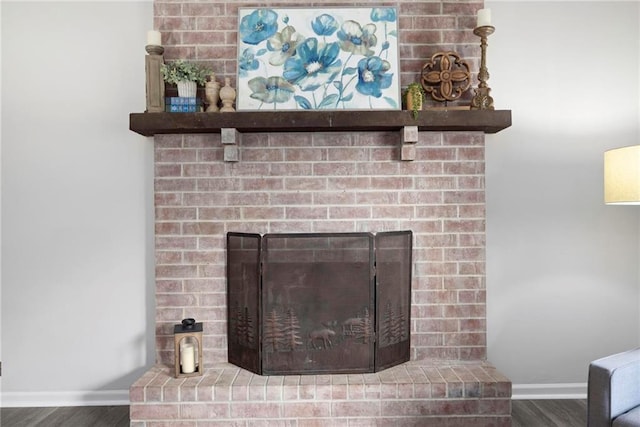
{"x":414,"y":96}
{"x":186,"y":75}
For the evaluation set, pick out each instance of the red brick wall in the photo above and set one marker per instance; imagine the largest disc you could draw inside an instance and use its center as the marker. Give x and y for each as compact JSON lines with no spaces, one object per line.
{"x":206,"y":30}
{"x":306,"y":182}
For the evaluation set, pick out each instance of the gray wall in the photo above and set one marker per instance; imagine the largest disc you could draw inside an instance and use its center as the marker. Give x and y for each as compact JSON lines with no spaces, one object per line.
{"x":77,"y":208}
{"x":77,"y":214}
{"x":562,"y":271}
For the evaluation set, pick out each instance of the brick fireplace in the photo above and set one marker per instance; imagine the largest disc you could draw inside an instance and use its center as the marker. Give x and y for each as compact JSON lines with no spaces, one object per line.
{"x":315,"y":182}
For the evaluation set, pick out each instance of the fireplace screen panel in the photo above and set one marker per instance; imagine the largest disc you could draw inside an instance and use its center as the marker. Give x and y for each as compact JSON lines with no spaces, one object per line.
{"x":243,"y":300}
{"x":312,"y":286}
{"x":318,"y":305}
{"x":393,"y":304}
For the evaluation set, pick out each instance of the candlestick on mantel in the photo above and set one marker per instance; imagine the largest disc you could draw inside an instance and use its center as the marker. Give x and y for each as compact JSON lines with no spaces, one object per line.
{"x":154,"y":82}
{"x":482,"y":100}
{"x":484,"y":18}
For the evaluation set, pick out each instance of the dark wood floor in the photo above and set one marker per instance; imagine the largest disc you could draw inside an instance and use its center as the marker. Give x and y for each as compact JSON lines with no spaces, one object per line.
{"x":549,"y":413}
{"x":525,"y":413}
{"x":77,"y":416}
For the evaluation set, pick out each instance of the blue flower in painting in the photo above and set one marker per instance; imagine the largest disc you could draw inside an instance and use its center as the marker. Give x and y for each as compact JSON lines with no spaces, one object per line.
{"x":372,"y":76}
{"x":357,"y":39}
{"x":259,"y":26}
{"x":272,"y":90}
{"x":387,"y":14}
{"x":324,"y":25}
{"x":314,"y":65}
{"x":283,"y":45}
{"x":247,"y":62}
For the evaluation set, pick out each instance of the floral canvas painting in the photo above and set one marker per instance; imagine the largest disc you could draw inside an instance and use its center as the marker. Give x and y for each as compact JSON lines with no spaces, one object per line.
{"x":318,"y":59}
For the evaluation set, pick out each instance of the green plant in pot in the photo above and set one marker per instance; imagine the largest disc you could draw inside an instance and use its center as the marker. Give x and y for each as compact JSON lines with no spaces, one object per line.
{"x":414,"y":96}
{"x":186,"y":75}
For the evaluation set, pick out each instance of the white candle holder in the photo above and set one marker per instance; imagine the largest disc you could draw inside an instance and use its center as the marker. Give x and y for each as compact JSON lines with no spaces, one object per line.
{"x":187,"y":338}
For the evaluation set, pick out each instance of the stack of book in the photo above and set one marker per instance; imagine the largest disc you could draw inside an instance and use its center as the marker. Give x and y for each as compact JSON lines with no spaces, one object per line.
{"x":181,"y":104}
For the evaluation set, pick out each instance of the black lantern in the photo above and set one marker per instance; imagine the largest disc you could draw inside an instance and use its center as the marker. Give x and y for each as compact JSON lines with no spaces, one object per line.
{"x":188,"y":348}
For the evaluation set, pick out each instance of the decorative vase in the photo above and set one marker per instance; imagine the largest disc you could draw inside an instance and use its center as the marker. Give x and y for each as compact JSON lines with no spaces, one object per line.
{"x":212,"y":93}
{"x":227,"y":95}
{"x":414,"y":101}
{"x":187,"y":89}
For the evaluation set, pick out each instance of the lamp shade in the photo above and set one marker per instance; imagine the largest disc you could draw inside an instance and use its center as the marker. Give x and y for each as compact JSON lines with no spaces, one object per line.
{"x":622,"y":176}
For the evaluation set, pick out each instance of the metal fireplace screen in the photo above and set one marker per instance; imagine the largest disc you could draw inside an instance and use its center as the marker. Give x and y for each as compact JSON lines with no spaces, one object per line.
{"x":318,"y":303}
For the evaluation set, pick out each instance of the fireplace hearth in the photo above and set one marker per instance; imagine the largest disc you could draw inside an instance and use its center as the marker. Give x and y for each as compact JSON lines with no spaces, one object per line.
{"x":318,"y":303}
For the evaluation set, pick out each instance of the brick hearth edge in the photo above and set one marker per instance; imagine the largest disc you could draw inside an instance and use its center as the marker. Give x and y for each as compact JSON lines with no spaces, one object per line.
{"x":434,"y":393}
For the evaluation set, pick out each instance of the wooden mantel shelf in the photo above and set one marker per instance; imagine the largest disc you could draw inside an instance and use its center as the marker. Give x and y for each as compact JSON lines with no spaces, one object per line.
{"x":232,"y":125}
{"x":487,"y":121}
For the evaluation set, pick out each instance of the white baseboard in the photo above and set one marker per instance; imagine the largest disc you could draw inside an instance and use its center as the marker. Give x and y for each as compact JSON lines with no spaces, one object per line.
{"x":549,"y":391}
{"x":42,"y":399}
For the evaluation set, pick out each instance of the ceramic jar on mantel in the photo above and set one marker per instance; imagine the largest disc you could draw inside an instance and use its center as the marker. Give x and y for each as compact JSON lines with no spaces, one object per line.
{"x":212,"y":93}
{"x":414,"y":98}
{"x":227,"y":95}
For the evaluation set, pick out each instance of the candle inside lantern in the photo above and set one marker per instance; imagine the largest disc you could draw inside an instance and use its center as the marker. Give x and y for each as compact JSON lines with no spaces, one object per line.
{"x":484,"y":17}
{"x":154,"y":38}
{"x":188,"y":358}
